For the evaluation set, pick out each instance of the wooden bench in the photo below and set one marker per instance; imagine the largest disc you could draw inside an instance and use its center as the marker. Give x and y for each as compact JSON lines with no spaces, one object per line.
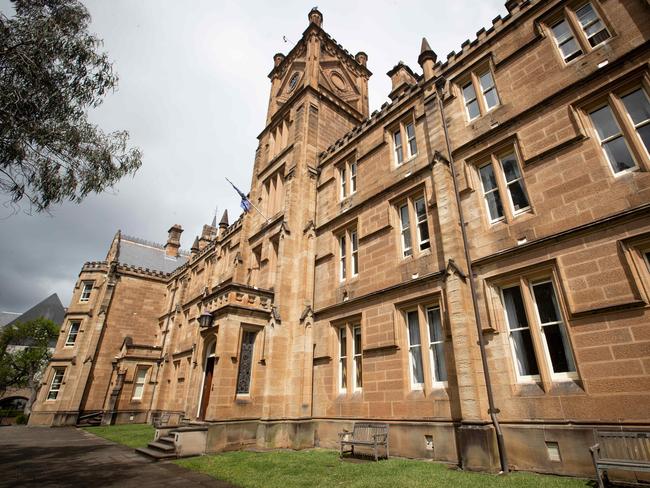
{"x":368,"y":434}
{"x":160,"y":419}
{"x":629,"y":451}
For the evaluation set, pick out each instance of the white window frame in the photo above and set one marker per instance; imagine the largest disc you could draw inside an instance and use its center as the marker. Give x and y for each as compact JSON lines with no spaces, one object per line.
{"x":353,"y":177}
{"x":411,"y":357}
{"x":473,"y":79}
{"x":347,"y":179}
{"x":357,"y":357}
{"x":405,"y":141}
{"x":568,"y":375}
{"x":509,"y":183}
{"x":343,"y":179}
{"x":86,"y":290}
{"x":628,"y":129}
{"x":139,"y":383}
{"x":432,"y":343}
{"x":348,"y":244}
{"x":494,"y":190}
{"x":343,"y":373}
{"x":513,"y":352}
{"x":56,"y":383}
{"x":71,"y":325}
{"x":559,"y":43}
{"x":410,"y":225}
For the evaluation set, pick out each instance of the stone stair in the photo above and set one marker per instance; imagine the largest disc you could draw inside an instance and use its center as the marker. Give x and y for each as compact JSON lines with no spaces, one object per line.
{"x":162,"y":448}
{"x":176,"y":442}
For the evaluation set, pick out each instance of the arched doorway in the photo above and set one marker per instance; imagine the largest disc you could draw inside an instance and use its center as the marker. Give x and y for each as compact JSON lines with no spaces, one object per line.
{"x":208,"y":371}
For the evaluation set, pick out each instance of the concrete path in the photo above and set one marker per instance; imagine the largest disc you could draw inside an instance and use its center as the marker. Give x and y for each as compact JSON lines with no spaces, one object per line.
{"x":68,"y":457}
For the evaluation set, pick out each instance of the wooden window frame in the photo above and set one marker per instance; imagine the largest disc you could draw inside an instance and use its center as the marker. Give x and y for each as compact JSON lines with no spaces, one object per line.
{"x":473,"y":78}
{"x":72,"y":323}
{"x":347,"y":178}
{"x":496,"y":158}
{"x":55,"y":371}
{"x":414,"y":229}
{"x":348,"y":253}
{"x":348,"y":356}
{"x":86,"y":291}
{"x":401,"y":128}
{"x":628,"y":130}
{"x":136,"y":383}
{"x":568,"y":14}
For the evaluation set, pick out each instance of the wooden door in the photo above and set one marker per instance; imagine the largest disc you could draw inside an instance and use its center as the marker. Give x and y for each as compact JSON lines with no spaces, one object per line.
{"x":207,"y":387}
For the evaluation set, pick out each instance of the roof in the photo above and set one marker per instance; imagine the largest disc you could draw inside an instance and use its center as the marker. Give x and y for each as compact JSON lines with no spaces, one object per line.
{"x":6,"y":317}
{"x":51,"y":308}
{"x":148,"y":255}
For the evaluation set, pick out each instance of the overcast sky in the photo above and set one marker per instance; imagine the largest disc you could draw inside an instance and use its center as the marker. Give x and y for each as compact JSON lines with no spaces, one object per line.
{"x":193,"y":94}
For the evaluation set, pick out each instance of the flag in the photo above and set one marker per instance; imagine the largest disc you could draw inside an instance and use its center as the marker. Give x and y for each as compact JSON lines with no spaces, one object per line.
{"x":245,"y":204}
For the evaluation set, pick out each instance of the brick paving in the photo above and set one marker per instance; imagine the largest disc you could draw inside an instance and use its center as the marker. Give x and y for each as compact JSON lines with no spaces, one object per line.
{"x":62,"y":457}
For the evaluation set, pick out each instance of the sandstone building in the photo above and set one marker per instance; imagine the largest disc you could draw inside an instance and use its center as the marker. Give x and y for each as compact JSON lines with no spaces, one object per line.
{"x":470,"y":263}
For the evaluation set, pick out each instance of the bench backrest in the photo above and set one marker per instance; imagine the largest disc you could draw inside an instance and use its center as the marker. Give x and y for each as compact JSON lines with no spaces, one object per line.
{"x":634,"y":446}
{"x":363,"y":431}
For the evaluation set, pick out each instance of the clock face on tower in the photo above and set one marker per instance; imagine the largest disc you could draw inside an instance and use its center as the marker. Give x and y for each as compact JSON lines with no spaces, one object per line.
{"x":293,"y":81}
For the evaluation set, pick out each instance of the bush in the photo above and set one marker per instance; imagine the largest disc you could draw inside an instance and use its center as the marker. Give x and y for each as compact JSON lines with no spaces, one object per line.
{"x":21,"y":419}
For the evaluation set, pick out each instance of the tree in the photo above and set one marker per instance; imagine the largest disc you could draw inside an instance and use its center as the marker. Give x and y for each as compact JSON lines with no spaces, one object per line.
{"x":51,"y":74}
{"x":24,"y":354}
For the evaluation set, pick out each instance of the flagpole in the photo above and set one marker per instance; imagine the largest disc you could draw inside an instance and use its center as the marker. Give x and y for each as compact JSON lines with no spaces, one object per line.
{"x":258,"y":211}
{"x":246,"y":199}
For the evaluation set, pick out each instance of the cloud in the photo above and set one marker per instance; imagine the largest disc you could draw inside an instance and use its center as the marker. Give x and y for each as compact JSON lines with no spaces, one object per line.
{"x":193,"y":94}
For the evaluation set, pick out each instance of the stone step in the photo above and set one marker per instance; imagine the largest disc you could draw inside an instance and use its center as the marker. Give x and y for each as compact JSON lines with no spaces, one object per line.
{"x":163,"y":446}
{"x":155,"y":453}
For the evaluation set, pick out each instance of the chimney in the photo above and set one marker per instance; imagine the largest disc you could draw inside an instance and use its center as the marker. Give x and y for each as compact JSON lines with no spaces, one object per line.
{"x":427,"y":59}
{"x":401,"y":77}
{"x":173,"y":240}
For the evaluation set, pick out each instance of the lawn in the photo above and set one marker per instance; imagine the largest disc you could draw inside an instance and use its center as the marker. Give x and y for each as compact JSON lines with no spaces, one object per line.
{"x":132,"y":435}
{"x":318,"y":467}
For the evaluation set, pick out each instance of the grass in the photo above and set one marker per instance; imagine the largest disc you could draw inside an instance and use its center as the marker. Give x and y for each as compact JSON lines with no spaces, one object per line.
{"x":287,"y":469}
{"x":132,"y":435}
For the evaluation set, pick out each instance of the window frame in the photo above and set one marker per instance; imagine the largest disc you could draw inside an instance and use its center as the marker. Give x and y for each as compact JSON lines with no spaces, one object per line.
{"x":542,"y":354}
{"x":55,"y":371}
{"x":568,"y":14}
{"x":413,"y":230}
{"x":86,"y":291}
{"x":347,"y":178}
{"x":71,"y":324}
{"x":348,"y":253}
{"x":473,"y":78}
{"x":136,"y":382}
{"x":254,"y":333}
{"x":426,"y":346}
{"x":635,"y":145}
{"x":348,"y":356}
{"x":405,"y":141}
{"x":495,"y":159}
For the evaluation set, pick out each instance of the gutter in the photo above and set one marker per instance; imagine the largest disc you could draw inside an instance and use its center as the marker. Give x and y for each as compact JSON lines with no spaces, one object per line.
{"x":472,"y":284}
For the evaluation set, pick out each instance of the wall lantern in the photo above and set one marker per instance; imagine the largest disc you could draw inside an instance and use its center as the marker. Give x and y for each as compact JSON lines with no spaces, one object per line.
{"x":205,"y":319}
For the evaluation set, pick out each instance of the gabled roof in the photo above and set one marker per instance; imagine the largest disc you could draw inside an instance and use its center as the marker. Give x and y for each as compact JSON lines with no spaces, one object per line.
{"x":51,"y":308}
{"x":6,"y":317}
{"x":148,"y":255}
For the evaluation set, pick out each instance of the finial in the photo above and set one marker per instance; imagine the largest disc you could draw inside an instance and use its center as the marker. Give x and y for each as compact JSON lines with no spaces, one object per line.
{"x":277,"y":59}
{"x":426,"y":52}
{"x":315,"y":17}
{"x":224,"y":219}
{"x":361,"y":58}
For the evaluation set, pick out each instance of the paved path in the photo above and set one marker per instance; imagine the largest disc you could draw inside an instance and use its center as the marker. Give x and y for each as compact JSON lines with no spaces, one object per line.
{"x":68,"y":457}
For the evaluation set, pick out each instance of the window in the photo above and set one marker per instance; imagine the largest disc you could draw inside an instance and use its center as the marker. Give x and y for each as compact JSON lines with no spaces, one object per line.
{"x":245,"y":362}
{"x":622,"y":125}
{"x":55,"y":385}
{"x":73,"y":330}
{"x":138,"y":383}
{"x":436,"y":345}
{"x":426,"y":322}
{"x":414,"y":210}
{"x":404,"y":144}
{"x":350,"y":359}
{"x":546,"y":327}
{"x":481,"y":82}
{"x":501,"y":178}
{"x":86,"y":290}
{"x":348,"y":178}
{"x":578,"y":31}
{"x":348,"y":254}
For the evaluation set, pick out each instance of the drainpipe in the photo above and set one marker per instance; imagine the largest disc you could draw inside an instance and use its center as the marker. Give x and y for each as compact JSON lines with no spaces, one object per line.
{"x":440,"y":82}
